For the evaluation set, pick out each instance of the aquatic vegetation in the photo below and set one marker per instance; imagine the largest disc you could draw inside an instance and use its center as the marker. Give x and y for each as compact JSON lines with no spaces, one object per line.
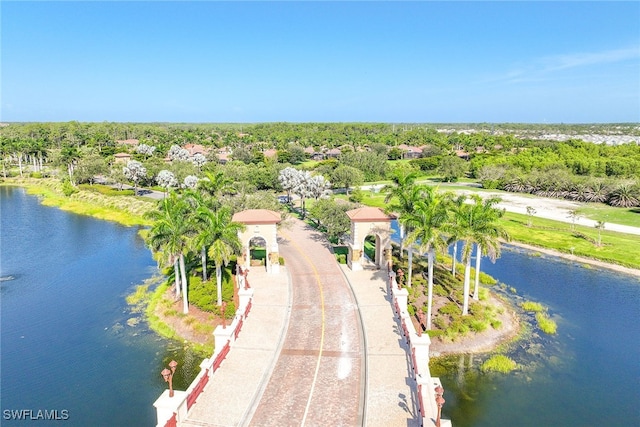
{"x":546,"y":324}
{"x":499,"y":363}
{"x":535,"y":307}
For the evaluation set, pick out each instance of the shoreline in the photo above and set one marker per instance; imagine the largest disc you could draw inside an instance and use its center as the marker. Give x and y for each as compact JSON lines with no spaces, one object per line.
{"x":578,"y":259}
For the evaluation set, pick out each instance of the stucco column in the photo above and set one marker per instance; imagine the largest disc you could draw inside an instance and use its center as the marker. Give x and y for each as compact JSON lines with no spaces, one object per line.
{"x":166,"y":406}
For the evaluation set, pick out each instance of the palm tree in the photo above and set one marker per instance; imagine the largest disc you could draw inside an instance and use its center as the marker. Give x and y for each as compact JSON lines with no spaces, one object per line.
{"x":600,"y":226}
{"x":223,"y":235}
{"x":406,"y":194}
{"x":491,"y":244}
{"x":215,"y":184}
{"x":426,"y":222}
{"x":475,"y":223}
{"x":171,"y":233}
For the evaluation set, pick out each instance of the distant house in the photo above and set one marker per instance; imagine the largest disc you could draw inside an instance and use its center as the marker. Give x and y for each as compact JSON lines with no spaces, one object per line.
{"x":334,"y":153}
{"x":223,"y":158}
{"x":410,"y":152}
{"x":270,"y":153}
{"x":463,"y":154}
{"x":196,"y":149}
{"x":313,"y":154}
{"x":122,"y":158}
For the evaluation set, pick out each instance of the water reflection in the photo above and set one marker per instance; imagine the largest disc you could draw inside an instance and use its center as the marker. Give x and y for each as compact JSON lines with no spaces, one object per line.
{"x":573,"y":378}
{"x":69,"y":340}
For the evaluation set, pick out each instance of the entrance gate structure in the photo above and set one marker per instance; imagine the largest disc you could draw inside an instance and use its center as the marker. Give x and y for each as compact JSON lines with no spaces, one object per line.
{"x":260,"y":223}
{"x":365,"y":222}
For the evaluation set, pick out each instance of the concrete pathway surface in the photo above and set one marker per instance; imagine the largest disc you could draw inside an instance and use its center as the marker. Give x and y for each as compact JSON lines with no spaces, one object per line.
{"x":391,"y":389}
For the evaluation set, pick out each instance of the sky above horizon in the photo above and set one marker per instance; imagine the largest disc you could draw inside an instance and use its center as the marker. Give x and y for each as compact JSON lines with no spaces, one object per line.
{"x":298,"y":61}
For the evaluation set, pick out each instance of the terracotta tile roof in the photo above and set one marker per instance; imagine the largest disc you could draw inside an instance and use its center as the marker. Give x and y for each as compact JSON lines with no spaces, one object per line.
{"x":368,"y":214}
{"x":196,"y":148}
{"x":257,"y":216}
{"x":271,"y":152}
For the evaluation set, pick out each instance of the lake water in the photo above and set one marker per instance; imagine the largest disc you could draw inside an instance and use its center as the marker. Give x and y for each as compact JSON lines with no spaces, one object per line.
{"x":587,"y":374}
{"x":65,"y":342}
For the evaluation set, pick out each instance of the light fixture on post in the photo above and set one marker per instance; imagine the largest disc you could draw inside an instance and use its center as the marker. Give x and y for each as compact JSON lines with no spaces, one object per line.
{"x":439,"y":402}
{"x":168,"y":375}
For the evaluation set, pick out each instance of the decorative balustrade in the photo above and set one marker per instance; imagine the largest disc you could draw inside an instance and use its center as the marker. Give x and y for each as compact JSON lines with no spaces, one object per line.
{"x":172,"y":410}
{"x":419,"y":352}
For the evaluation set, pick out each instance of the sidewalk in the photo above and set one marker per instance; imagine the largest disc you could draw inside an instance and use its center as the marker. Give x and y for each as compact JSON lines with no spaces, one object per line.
{"x":391,"y":397}
{"x":235,"y":389}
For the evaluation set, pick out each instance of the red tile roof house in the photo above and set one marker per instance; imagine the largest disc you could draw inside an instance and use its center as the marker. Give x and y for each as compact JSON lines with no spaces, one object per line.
{"x":334,"y":153}
{"x":313,"y":154}
{"x":122,"y":158}
{"x":410,"y":152}
{"x":196,"y":148}
{"x":270,"y":153}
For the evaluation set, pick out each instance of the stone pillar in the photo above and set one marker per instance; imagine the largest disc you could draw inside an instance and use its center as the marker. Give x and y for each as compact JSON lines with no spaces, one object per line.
{"x":221,"y":337}
{"x":353,"y":258}
{"x":245,"y":296}
{"x":402,"y":297}
{"x":421,"y":345}
{"x":274,"y":261}
{"x":166,"y":406}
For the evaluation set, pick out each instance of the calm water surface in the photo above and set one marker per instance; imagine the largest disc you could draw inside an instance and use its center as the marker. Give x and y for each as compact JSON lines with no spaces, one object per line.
{"x":588,"y":374}
{"x":65,"y":342}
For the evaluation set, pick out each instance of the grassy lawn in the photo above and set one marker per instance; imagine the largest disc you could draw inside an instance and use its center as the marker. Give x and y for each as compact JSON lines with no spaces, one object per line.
{"x":126,"y":210}
{"x":602,"y":212}
{"x":618,"y":248}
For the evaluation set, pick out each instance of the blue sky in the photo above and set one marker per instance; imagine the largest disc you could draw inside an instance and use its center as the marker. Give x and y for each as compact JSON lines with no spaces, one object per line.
{"x":536,"y":62}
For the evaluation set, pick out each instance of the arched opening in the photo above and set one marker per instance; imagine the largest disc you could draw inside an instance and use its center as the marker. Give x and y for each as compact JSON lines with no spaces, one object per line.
{"x":373,"y":249}
{"x":258,"y":252}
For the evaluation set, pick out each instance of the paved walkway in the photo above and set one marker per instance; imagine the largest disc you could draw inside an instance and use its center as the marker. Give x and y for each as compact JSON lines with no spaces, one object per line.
{"x":300,"y":358}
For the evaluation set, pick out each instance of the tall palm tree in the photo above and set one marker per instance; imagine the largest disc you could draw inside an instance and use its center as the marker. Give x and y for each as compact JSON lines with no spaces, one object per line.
{"x":171,"y":233}
{"x":475,"y":223}
{"x":404,"y":193}
{"x":223,"y":235}
{"x":426,"y":222}
{"x":493,"y":231}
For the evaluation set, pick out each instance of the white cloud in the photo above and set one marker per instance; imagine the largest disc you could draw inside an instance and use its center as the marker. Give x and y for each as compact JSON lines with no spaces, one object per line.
{"x":563,"y":62}
{"x":543,"y":68}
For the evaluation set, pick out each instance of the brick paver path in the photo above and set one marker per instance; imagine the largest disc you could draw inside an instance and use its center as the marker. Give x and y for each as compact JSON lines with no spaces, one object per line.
{"x":318,"y":378}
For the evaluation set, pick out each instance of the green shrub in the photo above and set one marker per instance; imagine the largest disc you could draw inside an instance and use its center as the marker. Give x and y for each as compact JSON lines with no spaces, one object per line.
{"x":435,"y":333}
{"x":411,"y":310}
{"x":281,"y":260}
{"x":36,"y":175}
{"x":547,"y":325}
{"x":342,"y":258}
{"x":499,"y":363}
{"x":440,"y":290}
{"x":68,"y":189}
{"x":478,"y":325}
{"x":496,"y":324}
{"x":450,"y":308}
{"x":535,"y":307}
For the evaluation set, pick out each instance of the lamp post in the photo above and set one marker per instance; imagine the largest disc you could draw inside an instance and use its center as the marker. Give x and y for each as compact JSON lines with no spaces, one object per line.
{"x":223,"y":308}
{"x":439,"y":402}
{"x":168,"y":375}
{"x":421,"y":319}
